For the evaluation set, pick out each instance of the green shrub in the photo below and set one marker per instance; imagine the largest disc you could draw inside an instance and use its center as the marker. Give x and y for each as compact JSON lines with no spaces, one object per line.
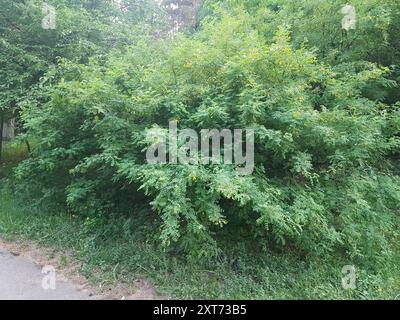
{"x":323,"y":176}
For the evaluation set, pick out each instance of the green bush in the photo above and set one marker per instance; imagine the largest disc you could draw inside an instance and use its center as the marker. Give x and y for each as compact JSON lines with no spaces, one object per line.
{"x":323,"y":178}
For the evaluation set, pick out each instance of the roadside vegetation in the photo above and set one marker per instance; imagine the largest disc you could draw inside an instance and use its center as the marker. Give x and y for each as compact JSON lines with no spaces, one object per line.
{"x":112,"y":253}
{"x":323,"y":103}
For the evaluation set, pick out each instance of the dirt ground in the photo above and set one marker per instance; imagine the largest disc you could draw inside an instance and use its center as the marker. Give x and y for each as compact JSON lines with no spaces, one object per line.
{"x":21,"y":262}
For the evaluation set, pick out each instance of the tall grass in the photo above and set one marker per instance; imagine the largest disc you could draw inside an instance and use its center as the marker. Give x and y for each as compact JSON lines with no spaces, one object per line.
{"x":108,"y":257}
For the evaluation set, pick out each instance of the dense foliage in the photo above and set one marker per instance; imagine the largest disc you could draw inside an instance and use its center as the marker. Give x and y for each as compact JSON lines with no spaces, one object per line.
{"x":81,"y":29}
{"x":327,"y":140}
{"x":323,"y":103}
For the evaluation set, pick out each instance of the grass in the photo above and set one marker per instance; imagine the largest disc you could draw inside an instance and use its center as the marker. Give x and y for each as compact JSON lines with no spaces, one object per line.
{"x":125,"y":256}
{"x":114,"y":250}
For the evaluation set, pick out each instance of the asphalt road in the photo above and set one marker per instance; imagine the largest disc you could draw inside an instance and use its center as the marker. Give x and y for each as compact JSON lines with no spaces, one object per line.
{"x":21,"y":279}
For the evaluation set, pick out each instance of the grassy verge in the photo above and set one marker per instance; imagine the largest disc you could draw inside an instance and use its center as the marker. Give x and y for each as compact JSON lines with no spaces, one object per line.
{"x":113,"y":251}
{"x":126,"y":256}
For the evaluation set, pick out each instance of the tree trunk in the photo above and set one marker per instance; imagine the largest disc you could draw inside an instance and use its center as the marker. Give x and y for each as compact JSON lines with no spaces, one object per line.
{"x":8,"y":130}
